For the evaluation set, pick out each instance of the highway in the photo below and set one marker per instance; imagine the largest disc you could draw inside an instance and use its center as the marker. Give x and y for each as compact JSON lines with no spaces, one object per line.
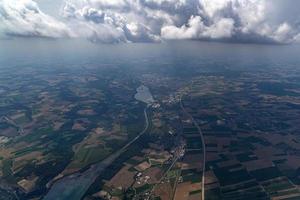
{"x":74,"y":186}
{"x":203,"y":146}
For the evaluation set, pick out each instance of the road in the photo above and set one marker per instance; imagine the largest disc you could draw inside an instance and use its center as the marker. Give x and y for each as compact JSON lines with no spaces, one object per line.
{"x":203,"y":146}
{"x":175,"y":159}
{"x":74,"y":186}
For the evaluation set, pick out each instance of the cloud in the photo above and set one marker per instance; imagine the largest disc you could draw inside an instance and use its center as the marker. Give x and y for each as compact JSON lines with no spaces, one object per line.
{"x":196,"y":29}
{"x":110,"y":21}
{"x":113,"y":21}
{"x":232,"y":20}
{"x":154,"y":20}
{"x":24,"y":18}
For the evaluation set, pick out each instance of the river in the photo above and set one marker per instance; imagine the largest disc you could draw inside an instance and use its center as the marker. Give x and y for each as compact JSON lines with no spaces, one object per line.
{"x":75,"y":185}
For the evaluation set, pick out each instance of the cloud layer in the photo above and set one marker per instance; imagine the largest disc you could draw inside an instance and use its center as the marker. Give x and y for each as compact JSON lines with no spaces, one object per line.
{"x":24,"y":18}
{"x":113,"y":21}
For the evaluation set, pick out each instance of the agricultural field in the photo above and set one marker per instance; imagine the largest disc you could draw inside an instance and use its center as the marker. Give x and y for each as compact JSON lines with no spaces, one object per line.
{"x":60,"y":120}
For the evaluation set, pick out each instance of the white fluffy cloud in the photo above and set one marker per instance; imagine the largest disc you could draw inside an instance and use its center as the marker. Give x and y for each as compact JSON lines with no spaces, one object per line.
{"x":241,"y":20}
{"x":155,"y":20}
{"x":24,"y":18}
{"x":196,"y":29}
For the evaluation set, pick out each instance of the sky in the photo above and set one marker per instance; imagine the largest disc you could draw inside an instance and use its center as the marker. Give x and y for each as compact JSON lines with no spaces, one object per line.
{"x":115,"y":21}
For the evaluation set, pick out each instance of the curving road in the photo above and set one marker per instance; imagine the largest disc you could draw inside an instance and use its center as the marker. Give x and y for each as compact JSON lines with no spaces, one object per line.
{"x":203,"y":146}
{"x":74,"y":186}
